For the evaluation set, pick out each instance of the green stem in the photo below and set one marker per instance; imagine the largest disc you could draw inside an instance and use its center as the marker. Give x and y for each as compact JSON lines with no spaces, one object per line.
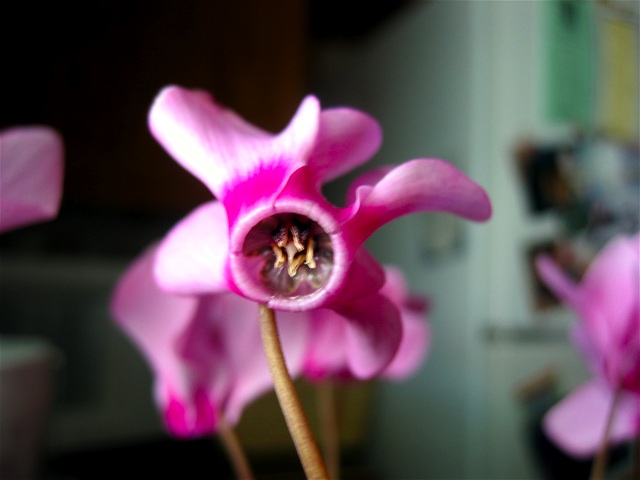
{"x":287,"y":396}
{"x":600,"y":463}
{"x":234,"y":450}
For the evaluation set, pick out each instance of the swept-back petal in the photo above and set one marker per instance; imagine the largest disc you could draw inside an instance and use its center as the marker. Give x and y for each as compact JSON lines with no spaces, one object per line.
{"x":611,"y":287}
{"x":374,"y":331}
{"x":222,"y":149}
{"x":155,"y":322}
{"x":327,"y":352}
{"x":561,"y":285}
{"x":31,"y":171}
{"x":364,"y":277}
{"x":416,"y":334}
{"x":193,"y":256}
{"x":578,"y":422}
{"x":422,"y":185}
{"x":346,"y":139}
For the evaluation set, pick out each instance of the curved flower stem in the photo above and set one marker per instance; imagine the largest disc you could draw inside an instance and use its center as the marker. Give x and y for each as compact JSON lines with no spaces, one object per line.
{"x":234,"y":450}
{"x":287,"y":396}
{"x":325,"y":393}
{"x":600,"y":463}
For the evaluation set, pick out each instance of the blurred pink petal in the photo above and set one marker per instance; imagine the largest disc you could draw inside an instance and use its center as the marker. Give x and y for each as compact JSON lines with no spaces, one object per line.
{"x":607,"y":303}
{"x":31,"y":171}
{"x":192,"y":257}
{"x":416,"y":334}
{"x":345,"y":340}
{"x":205,"y":351}
{"x":577,"y":424}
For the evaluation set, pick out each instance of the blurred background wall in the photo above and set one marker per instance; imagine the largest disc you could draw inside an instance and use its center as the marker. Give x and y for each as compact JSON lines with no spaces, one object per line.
{"x":462,"y":81}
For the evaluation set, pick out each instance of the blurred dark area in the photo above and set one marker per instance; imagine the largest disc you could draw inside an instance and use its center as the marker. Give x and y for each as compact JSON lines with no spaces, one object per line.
{"x":92,"y":70}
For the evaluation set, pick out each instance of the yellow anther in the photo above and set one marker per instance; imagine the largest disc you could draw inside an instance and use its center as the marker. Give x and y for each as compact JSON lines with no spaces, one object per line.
{"x":281,"y":259}
{"x":294,"y":264}
{"x":309,"y":260}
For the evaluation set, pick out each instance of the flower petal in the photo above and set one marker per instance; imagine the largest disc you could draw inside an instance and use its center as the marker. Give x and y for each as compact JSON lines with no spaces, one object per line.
{"x":346,"y":139}
{"x":253,"y":377}
{"x":155,"y":322}
{"x":327,"y":352}
{"x":578,"y":422}
{"x":374,"y":331}
{"x":31,"y":170}
{"x":416,"y":335}
{"x":222,"y":149}
{"x":193,"y":256}
{"x":417,"y":186}
{"x":364,"y":277}
{"x":611,"y":288}
{"x":561,"y":285}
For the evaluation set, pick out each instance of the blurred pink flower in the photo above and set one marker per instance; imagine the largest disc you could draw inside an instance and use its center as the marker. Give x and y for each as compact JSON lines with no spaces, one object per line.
{"x":205,"y":351}
{"x":31,"y":170}
{"x":607,"y":302}
{"x":272,"y":237}
{"x":327,"y":355}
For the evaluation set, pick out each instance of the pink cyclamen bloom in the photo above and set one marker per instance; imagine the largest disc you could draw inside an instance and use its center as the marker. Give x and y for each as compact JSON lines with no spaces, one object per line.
{"x":327,"y":355}
{"x":205,"y":351}
{"x":31,"y":171}
{"x":607,"y":302}
{"x":272,"y":237}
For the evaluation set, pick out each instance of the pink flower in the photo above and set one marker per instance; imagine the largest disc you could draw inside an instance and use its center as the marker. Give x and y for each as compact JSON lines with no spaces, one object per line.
{"x":607,"y":302}
{"x":31,"y":169}
{"x":328,"y":353}
{"x":272,"y":237}
{"x":205,"y":351}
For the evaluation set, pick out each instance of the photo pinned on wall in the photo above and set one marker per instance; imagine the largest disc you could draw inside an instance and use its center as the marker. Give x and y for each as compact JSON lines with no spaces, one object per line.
{"x":592,"y":185}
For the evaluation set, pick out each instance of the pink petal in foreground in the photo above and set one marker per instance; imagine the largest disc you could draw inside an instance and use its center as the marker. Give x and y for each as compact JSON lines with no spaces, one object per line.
{"x":31,"y":171}
{"x":346,"y":139}
{"x":193,"y":256}
{"x":577,"y":424}
{"x":374,"y":332}
{"x":222,"y":149}
{"x":423,"y":185}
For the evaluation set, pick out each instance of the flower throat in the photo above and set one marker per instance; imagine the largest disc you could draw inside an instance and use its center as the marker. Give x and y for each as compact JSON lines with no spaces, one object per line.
{"x":296,"y":254}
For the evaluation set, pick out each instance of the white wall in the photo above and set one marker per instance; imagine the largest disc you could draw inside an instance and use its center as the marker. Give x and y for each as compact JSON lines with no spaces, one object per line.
{"x":459,"y":81}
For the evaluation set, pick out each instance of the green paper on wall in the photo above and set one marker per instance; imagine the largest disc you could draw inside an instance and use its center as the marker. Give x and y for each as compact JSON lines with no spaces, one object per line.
{"x":569,"y":61}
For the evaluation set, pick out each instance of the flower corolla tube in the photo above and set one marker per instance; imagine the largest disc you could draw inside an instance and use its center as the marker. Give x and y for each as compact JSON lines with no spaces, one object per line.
{"x":272,"y":237}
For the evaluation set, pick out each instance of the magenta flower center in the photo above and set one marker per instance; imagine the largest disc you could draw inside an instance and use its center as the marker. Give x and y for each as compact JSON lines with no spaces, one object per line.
{"x":295,"y":254}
